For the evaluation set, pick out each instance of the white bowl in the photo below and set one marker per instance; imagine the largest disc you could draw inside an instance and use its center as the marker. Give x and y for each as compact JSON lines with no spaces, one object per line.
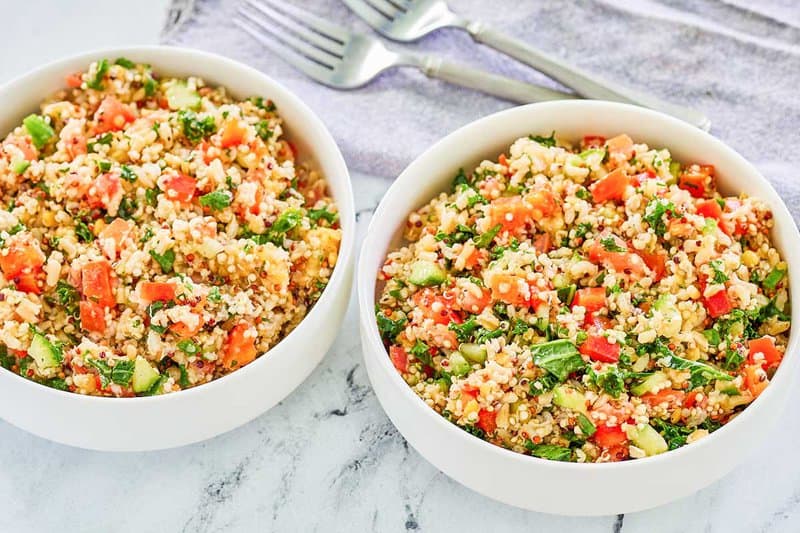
{"x":134,"y":424}
{"x":538,"y":484}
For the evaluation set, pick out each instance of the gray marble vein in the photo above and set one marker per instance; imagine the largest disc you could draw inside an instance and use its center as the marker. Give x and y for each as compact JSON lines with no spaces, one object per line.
{"x":327,"y":458}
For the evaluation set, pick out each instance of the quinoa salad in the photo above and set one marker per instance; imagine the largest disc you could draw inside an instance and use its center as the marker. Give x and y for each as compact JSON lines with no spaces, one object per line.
{"x":155,"y":234}
{"x":587,"y":302}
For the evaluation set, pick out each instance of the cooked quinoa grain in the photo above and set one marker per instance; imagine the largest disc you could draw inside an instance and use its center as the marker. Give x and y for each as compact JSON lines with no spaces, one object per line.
{"x":588,"y":304}
{"x":156,"y":234}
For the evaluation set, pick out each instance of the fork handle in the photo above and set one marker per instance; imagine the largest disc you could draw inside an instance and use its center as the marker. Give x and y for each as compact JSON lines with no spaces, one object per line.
{"x":582,"y":82}
{"x":501,"y":86}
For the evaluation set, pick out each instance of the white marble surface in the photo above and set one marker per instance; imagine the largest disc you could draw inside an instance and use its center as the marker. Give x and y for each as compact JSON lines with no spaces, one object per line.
{"x":327,"y":458}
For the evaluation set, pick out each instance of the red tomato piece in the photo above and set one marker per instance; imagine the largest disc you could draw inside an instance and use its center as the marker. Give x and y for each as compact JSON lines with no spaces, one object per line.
{"x":96,"y":283}
{"x":399,"y":358}
{"x":622,"y":262}
{"x":542,"y":202}
{"x":610,"y":187}
{"x":594,"y":141}
{"x":510,"y":212}
{"x":232,"y":134}
{"x":510,"y":289}
{"x":475,"y":304}
{"x":468,"y":392}
{"x":590,"y":298}
{"x":436,"y":307}
{"x":112,"y":115}
{"x":240,"y":346}
{"x":93,"y":317}
{"x":543,"y":243}
{"x":718,"y":304}
{"x":620,"y":146}
{"x":180,"y":187}
{"x":105,"y":191}
{"x":22,"y":254}
{"x":765,"y":346}
{"x":29,"y":282}
{"x":669,"y":396}
{"x":74,"y":80}
{"x":609,"y":436}
{"x":655,"y":261}
{"x":697,"y":179}
{"x":487,"y":420}
{"x":755,"y":379}
{"x":118,"y":230}
{"x":154,"y":291}
{"x":598,"y":348}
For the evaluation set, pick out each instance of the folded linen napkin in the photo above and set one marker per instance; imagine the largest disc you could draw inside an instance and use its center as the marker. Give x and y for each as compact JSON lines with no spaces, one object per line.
{"x":736,"y":60}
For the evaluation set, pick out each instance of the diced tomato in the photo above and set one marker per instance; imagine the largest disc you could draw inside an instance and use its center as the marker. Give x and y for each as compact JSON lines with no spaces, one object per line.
{"x":180,"y":187}
{"x":609,"y":436}
{"x":118,"y":230}
{"x":590,"y":298}
{"x":232,"y":134}
{"x":399,"y":358}
{"x":542,"y":202}
{"x":611,"y":187}
{"x":474,"y":304}
{"x":718,"y":304}
{"x":543,"y":243}
{"x":436,"y":307}
{"x":487,"y":420}
{"x":622,"y":262}
{"x":618,"y":453}
{"x":155,"y":291}
{"x":691,"y":400}
{"x":594,"y":141}
{"x":29,"y":282}
{"x":182,"y":331}
{"x":697,"y":179}
{"x":468,"y":392}
{"x":510,"y":212}
{"x":712,"y":209}
{"x":105,"y":191}
{"x":598,"y":348}
{"x":621,"y":146}
{"x":25,"y":145}
{"x":510,"y":289}
{"x":93,"y":317}
{"x":74,"y":80}
{"x":503,"y":160}
{"x":755,"y":379}
{"x":601,"y":322}
{"x":240,"y":346}
{"x":655,"y":261}
{"x":669,"y":396}
{"x":96,"y":283}
{"x":112,"y":115}
{"x":21,"y":255}
{"x":765,"y":346}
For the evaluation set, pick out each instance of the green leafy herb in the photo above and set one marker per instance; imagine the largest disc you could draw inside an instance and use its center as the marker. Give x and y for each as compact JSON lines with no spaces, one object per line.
{"x":549,"y":451}
{"x":712,"y":336}
{"x":128,"y":174}
{"x":610,"y":245}
{"x":422,"y":353}
{"x":699,"y":373}
{"x":122,"y":372}
{"x":216,"y":200}
{"x":214,"y":296}
{"x":151,"y":197}
{"x":464,"y":330}
{"x":96,"y":83}
{"x":125,"y":63}
{"x":149,"y":85}
{"x":165,"y":260}
{"x":733,"y":359}
{"x":566,"y":294}
{"x":583,"y":193}
{"x":323,"y":214}
{"x":587,"y":428}
{"x":520,"y":327}
{"x":582,"y":229}
{"x":674,"y":435}
{"x":68,"y":297}
{"x":559,"y":357}
{"x":40,"y":131}
{"x":183,"y":381}
{"x":389,"y":328}
{"x":127,"y":208}
{"x":104,"y":166}
{"x":719,"y":272}
{"x":484,"y":240}
{"x":263,"y":130}
{"x":103,"y":139}
{"x":654,"y":215}
{"x":544,"y":141}
{"x":612,"y":381}
{"x":543,"y":384}
{"x":56,"y":383}
{"x":188,"y":347}
{"x":773,"y":278}
{"x":460,"y":235}
{"x":195,"y":128}
{"x":83,"y":232}
{"x":460,"y":179}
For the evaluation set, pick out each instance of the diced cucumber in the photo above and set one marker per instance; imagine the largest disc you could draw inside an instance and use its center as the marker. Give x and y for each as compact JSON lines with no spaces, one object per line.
{"x":426,"y":274}
{"x":566,"y":294}
{"x":648,"y":439}
{"x":674,"y":170}
{"x":18,"y":166}
{"x":144,"y":375}
{"x":180,"y":96}
{"x":564,"y":396}
{"x":458,"y":365}
{"x":474,"y":353}
{"x":657,"y":380}
{"x":44,"y":352}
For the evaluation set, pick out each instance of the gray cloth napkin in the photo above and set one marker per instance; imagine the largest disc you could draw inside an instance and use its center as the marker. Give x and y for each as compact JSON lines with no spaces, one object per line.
{"x":737,"y":60}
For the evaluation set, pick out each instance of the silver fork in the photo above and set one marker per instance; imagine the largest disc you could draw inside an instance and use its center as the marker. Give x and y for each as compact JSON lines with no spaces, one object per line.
{"x":409,"y":20}
{"x":346,"y":60}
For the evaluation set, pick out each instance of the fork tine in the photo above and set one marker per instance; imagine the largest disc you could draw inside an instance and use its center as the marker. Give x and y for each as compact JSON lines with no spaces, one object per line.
{"x":369,"y":14}
{"x":326,"y":44}
{"x":388,"y":8}
{"x":310,"y":68}
{"x":312,"y":21}
{"x":299,"y":46}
